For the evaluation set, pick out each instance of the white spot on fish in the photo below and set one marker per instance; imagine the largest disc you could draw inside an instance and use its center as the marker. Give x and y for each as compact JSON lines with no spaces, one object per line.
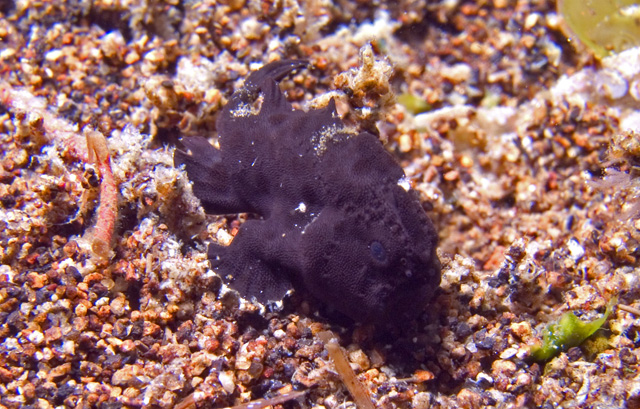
{"x":404,"y":183}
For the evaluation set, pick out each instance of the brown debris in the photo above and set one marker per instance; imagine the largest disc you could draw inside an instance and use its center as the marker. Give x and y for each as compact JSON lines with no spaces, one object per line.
{"x":108,"y":209}
{"x":357,"y":390}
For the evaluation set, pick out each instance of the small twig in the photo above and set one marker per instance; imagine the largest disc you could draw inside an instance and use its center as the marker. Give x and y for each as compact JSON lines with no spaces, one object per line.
{"x":190,"y":401}
{"x":276,"y":400}
{"x":94,"y":150}
{"x":628,"y":309}
{"x":357,"y":390}
{"x":108,"y":210}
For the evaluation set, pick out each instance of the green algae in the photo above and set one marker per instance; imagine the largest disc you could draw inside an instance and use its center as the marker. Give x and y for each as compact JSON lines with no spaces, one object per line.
{"x":569,"y":331}
{"x":604,"y":26}
{"x":413,"y":104}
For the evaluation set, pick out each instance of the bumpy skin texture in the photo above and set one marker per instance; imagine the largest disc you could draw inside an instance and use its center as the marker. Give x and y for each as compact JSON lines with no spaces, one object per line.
{"x":334,"y":218}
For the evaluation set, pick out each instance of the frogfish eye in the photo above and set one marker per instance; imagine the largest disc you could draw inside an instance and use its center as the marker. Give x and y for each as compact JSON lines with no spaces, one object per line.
{"x":377,"y":251}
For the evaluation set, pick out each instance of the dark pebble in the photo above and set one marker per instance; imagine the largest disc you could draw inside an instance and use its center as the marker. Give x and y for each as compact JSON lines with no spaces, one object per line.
{"x":63,"y":392}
